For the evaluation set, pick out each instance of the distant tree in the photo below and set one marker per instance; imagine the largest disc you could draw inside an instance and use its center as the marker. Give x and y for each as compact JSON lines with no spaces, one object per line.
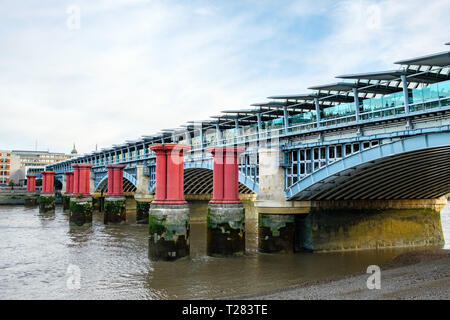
{"x":11,"y":184}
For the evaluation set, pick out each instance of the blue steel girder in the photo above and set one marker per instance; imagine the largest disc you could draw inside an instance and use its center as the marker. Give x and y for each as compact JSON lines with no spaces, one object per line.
{"x":413,"y":167}
{"x":99,"y":177}
{"x":59,"y":177}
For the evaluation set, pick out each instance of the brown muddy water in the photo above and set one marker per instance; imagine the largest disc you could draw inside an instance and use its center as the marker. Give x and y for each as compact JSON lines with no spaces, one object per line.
{"x":36,"y":252}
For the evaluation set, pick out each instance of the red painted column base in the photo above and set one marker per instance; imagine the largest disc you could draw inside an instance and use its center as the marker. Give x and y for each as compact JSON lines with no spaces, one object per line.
{"x":115,"y":179}
{"x":226,"y":174}
{"x":48,"y":182}
{"x":169,"y":174}
{"x":31,"y":183}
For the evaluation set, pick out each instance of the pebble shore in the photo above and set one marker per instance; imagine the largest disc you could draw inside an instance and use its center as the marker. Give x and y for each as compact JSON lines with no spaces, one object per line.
{"x":415,"y":275}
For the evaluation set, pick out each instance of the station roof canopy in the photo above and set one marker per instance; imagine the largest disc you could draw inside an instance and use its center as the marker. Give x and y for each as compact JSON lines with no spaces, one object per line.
{"x":228,"y":119}
{"x":149,"y":137}
{"x":272,"y":104}
{"x":198,"y":123}
{"x":119,"y":145}
{"x":438,"y":60}
{"x":296,"y":97}
{"x":242,"y":111}
{"x":250,"y":115}
{"x":312,"y":96}
{"x":394,"y":75}
{"x":131,"y":142}
{"x":362,"y":87}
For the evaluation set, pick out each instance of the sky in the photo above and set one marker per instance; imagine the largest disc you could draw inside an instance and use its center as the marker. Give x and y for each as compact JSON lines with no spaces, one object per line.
{"x":102,"y":72}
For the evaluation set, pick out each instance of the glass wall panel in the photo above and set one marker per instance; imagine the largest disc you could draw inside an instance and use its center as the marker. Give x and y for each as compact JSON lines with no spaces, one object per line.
{"x":444,"y":92}
{"x":430,"y":92}
{"x":338,"y":111}
{"x":274,"y":124}
{"x":417,"y":96}
{"x":300,"y":118}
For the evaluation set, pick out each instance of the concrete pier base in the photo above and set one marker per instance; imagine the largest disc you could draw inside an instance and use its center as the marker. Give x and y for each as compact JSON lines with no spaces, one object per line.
{"x":31,"y":199}
{"x":168,"y":231}
{"x":65,"y":198}
{"x":80,"y":211}
{"x":142,"y":210}
{"x":356,"y":225}
{"x":115,"y":209}
{"x":276,"y":233}
{"x":47,"y":203}
{"x":96,"y":204}
{"x":225,"y":225}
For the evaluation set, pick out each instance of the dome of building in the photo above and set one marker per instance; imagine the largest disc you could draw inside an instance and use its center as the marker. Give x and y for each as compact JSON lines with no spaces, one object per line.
{"x":74,"y":151}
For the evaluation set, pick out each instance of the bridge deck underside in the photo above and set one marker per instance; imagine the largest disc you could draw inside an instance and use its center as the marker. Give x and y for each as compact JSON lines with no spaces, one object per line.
{"x":422,"y":174}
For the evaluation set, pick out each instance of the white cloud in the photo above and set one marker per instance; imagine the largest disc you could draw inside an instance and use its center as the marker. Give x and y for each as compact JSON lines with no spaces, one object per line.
{"x":134,"y":68}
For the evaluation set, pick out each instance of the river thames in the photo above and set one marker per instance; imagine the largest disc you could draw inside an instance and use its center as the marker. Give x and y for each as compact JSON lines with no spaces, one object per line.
{"x":38,"y":254}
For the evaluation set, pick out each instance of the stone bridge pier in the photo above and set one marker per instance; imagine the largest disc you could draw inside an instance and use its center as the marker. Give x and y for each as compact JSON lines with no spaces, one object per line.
{"x":81,"y":200}
{"x":47,"y":196}
{"x":142,"y":196}
{"x":31,"y":196}
{"x":276,"y":216}
{"x":336,"y":225}
{"x":68,"y":192}
{"x":169,"y":212}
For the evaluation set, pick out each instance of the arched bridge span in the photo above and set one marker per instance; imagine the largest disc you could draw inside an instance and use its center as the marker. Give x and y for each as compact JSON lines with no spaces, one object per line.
{"x":411,"y":168}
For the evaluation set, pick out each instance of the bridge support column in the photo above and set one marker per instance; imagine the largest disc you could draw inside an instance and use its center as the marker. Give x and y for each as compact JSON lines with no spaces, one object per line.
{"x":68,"y":194}
{"x":169,"y":212}
{"x":47,"y":196}
{"x":226,"y":215}
{"x":142,"y":197}
{"x":81,"y":200}
{"x":31,"y":197}
{"x":276,"y":216}
{"x":115,"y":201}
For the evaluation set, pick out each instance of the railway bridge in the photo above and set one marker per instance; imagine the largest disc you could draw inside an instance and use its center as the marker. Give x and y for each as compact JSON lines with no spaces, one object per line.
{"x":359,"y":163}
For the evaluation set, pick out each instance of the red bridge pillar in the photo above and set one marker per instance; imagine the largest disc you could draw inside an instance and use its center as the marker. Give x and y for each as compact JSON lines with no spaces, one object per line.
{"x":226,"y":174}
{"x":48,"y":180}
{"x":115,"y":179}
{"x":81,"y":178}
{"x":169,"y":173}
{"x":115,"y":202}
{"x":81,"y":200}
{"x":69,"y":182}
{"x":47,"y":196}
{"x":226,"y":215}
{"x":169,"y":212}
{"x":31,"y":183}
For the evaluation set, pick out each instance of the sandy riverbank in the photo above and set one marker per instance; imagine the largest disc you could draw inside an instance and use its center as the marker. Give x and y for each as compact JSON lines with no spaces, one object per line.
{"x":414,"y":275}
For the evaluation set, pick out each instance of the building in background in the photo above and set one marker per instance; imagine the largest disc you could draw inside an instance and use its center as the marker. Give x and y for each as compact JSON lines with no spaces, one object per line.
{"x":9,"y":167}
{"x":16,"y":164}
